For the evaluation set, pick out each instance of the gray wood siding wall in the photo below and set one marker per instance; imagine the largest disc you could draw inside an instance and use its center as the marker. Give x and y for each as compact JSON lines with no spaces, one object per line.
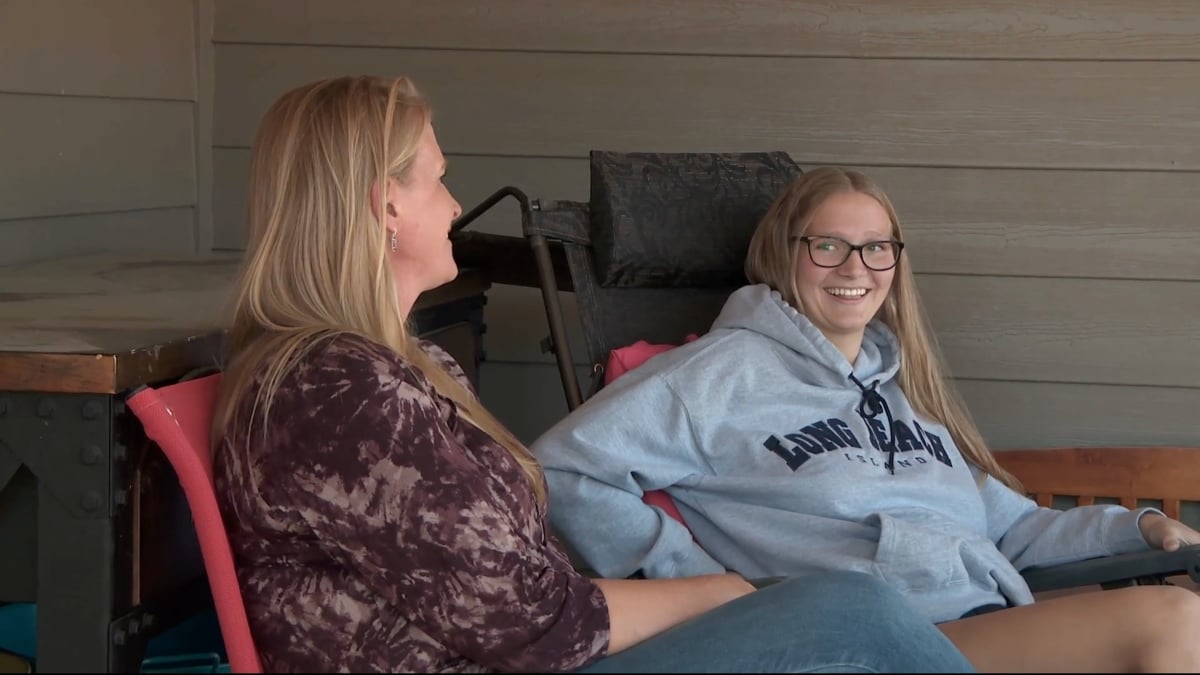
{"x":100,"y":144}
{"x":1043,"y":157}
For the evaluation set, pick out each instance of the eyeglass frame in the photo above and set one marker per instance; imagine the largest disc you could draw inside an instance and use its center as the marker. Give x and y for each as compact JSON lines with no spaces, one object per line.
{"x":807,"y":239}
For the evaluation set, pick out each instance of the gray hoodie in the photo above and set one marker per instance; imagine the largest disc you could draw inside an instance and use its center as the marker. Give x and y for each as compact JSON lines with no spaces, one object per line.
{"x":780,"y":456}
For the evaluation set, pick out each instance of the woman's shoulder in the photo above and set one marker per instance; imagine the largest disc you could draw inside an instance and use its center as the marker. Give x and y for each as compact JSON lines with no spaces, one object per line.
{"x":353,"y":347}
{"x":681,"y":366}
{"x":339,"y":352}
{"x":722,"y":349}
{"x":351,"y":362}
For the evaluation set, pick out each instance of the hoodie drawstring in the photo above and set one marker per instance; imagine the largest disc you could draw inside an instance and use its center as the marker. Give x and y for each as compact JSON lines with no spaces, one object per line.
{"x":869,"y":407}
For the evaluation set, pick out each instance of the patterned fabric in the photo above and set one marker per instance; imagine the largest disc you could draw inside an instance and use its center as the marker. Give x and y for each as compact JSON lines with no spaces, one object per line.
{"x":680,"y":219}
{"x":376,"y":530}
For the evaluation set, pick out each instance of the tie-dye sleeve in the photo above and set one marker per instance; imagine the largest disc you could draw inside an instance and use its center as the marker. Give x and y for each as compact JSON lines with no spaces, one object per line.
{"x":436,"y":518}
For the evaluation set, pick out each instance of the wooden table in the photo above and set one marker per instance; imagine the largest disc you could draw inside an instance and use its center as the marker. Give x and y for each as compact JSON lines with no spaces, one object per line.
{"x":90,"y":513}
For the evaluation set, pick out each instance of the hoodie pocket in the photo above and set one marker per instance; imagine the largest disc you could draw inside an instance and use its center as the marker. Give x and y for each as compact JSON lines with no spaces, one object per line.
{"x":915,"y":558}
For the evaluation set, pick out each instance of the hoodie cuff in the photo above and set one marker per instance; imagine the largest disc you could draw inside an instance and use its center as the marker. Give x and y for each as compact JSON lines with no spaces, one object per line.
{"x":1127,"y":534}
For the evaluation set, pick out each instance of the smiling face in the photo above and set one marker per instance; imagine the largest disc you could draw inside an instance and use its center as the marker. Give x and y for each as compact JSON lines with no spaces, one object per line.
{"x":841,"y":300}
{"x":420,"y":212}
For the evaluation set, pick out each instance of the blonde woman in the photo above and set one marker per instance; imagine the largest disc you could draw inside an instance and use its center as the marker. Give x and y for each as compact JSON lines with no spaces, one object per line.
{"x":382,"y":520}
{"x":814,"y":429}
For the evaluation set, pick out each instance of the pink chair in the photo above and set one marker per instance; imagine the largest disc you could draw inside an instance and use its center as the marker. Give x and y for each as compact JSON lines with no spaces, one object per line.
{"x":178,"y":417}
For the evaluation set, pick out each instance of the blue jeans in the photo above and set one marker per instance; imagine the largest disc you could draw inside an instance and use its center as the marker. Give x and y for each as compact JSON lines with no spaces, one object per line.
{"x":836,"y":622}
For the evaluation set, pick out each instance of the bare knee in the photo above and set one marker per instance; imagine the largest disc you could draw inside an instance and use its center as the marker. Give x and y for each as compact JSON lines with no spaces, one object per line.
{"x":1169,"y":631}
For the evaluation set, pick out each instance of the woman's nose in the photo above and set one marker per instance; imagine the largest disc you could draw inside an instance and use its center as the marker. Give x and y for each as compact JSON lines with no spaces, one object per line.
{"x":853,"y":264}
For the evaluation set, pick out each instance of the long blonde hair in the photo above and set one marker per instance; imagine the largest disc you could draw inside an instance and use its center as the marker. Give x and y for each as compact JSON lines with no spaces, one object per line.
{"x":316,"y":263}
{"x":774,"y":257}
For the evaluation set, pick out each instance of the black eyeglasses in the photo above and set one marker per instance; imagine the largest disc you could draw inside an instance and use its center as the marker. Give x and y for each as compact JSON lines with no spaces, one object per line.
{"x":834,"y":252}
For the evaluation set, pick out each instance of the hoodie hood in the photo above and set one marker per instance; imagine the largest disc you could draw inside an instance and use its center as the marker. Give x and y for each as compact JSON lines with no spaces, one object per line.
{"x":762,"y":310}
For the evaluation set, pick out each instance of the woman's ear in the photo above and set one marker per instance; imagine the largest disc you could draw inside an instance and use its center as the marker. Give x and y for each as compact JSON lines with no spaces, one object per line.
{"x":389,"y":206}
{"x":374,"y":198}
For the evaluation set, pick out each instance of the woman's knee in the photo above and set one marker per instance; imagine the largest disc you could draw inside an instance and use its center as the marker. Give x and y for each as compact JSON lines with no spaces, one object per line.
{"x":1171,"y":622}
{"x":850,"y":594}
{"x":1171,"y":610}
{"x":1180,"y":609}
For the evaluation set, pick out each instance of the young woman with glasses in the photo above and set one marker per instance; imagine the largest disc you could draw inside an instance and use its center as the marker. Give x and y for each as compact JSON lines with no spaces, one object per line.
{"x":814,"y":428}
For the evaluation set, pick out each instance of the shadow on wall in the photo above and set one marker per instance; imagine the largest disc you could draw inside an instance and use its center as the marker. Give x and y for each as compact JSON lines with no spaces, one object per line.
{"x":527,"y":397}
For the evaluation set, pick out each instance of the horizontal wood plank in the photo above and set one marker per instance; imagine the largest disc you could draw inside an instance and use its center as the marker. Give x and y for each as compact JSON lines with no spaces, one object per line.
{"x":92,"y":373}
{"x":116,"y":48}
{"x":1066,"y":330}
{"x":1118,"y":224}
{"x":1128,"y":473}
{"x":174,"y":356}
{"x":1065,"y":29}
{"x":1058,"y":114}
{"x":159,"y":231}
{"x":1045,"y":415}
{"x":69,"y":156}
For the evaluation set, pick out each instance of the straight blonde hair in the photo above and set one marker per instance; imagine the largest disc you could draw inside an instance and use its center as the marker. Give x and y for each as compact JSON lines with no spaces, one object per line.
{"x":774,"y":257}
{"x":316,"y":263}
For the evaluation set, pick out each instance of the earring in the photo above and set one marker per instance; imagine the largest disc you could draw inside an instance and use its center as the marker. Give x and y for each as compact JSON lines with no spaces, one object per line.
{"x":394,"y":243}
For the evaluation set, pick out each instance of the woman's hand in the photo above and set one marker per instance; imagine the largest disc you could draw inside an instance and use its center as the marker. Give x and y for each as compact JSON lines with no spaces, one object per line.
{"x":639,"y":608}
{"x":1166,"y":533}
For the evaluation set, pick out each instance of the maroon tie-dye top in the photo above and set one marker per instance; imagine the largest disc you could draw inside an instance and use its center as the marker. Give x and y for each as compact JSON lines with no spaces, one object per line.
{"x":375,"y":530}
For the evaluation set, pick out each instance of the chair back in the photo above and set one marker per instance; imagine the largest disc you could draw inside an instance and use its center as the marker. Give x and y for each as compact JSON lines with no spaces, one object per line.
{"x":178,"y":417}
{"x":657,"y":249}
{"x":614,"y":317}
{"x":1163,"y":477}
